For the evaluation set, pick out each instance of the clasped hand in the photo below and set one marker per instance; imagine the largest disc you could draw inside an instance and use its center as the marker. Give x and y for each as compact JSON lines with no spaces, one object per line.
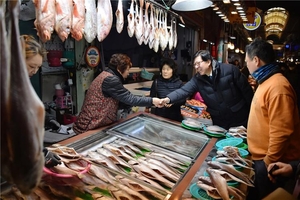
{"x":161,"y":102}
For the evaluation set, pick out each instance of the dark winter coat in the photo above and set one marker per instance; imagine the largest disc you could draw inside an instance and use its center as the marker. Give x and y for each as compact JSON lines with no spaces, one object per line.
{"x":160,"y":88}
{"x":227,"y":94}
{"x":103,"y":99}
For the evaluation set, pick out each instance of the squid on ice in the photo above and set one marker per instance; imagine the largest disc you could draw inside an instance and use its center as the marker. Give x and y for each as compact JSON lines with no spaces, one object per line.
{"x":22,"y":112}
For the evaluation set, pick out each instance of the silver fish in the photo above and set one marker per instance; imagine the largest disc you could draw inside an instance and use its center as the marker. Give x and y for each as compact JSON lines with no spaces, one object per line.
{"x":131,"y":20}
{"x":119,"y":17}
{"x":22,"y":112}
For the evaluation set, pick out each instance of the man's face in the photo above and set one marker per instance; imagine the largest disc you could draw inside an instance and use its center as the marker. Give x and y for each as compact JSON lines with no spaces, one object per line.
{"x":202,"y":67}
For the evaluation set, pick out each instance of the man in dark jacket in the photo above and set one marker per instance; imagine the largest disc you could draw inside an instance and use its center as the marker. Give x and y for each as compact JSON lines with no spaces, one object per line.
{"x":224,"y":89}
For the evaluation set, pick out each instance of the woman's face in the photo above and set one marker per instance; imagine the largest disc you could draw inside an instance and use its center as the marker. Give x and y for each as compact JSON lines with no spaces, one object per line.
{"x":126,"y":72}
{"x":33,"y":64}
{"x":166,"y":72}
{"x":202,"y":67}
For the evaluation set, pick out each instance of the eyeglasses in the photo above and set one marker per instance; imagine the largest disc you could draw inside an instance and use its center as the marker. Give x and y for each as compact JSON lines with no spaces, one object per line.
{"x":198,"y":63}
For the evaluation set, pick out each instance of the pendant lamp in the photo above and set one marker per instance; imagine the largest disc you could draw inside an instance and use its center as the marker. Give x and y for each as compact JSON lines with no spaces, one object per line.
{"x":191,"y":5}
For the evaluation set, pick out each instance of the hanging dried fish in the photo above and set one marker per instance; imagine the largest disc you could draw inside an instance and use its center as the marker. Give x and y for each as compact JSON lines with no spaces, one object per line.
{"x":131,"y":20}
{"x":90,"y":26}
{"x":63,"y":21}
{"x":139,"y":23}
{"x":45,"y":18}
{"x":120,"y":17}
{"x":104,"y":19}
{"x":22,"y":112}
{"x":77,"y":28}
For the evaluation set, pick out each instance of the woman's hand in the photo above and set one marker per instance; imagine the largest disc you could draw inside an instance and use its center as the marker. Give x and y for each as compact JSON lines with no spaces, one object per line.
{"x":283,"y":170}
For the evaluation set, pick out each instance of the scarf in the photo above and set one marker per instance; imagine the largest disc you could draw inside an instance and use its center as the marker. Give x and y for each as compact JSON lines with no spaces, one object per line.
{"x":264,"y":72}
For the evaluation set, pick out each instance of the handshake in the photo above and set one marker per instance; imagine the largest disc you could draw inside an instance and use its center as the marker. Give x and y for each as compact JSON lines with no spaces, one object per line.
{"x":161,"y":102}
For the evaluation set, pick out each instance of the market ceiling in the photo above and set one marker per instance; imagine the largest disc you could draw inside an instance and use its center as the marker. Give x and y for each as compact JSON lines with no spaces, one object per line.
{"x":291,"y":32}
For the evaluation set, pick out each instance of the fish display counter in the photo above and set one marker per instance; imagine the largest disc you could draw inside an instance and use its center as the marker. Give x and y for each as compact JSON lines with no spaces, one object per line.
{"x":155,"y":151}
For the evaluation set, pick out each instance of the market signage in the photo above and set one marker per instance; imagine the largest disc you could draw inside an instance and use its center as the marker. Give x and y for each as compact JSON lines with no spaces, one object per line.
{"x":255,"y":24}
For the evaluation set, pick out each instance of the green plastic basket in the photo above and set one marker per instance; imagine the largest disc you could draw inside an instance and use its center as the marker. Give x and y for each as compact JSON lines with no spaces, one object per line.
{"x":146,"y":75}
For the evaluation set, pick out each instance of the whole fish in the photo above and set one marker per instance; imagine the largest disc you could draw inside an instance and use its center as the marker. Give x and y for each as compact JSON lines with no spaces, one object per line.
{"x":101,"y":173}
{"x":139,"y":23}
{"x":113,"y":157}
{"x":146,"y":24}
{"x":124,"y":148}
{"x":118,"y":152}
{"x":135,"y":194}
{"x":131,"y":20}
{"x":22,"y":159}
{"x":148,"y":181}
{"x":64,"y":151}
{"x":143,"y":169}
{"x":119,"y":194}
{"x":45,"y":18}
{"x":129,"y":145}
{"x":220,"y":183}
{"x":104,"y":19}
{"x":139,"y":187}
{"x":119,"y":17}
{"x":173,"y":171}
{"x":159,"y":170}
{"x":231,"y":161}
{"x":171,"y":33}
{"x":90,"y":26}
{"x":164,"y":34}
{"x":156,"y":31}
{"x":103,"y":160}
{"x":63,"y":21}
{"x":151,"y":27}
{"x":228,"y":176}
{"x":210,"y":190}
{"x":77,"y":28}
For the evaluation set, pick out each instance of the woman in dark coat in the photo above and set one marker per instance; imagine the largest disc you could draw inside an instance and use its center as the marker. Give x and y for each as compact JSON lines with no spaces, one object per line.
{"x":224,"y":89}
{"x":106,"y":95}
{"x":167,"y":82}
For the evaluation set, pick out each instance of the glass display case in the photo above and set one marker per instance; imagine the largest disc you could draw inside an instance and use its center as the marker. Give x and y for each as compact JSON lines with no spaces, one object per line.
{"x":163,"y":134}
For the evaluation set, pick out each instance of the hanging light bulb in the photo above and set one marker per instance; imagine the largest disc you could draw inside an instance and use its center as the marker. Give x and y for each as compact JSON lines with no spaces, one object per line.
{"x":191,"y":5}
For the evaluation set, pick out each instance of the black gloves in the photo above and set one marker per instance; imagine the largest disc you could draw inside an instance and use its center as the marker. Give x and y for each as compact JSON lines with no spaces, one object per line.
{"x":51,"y":159}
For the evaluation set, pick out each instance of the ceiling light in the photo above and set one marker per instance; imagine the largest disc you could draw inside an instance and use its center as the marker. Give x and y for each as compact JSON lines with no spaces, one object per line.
{"x":191,"y":5}
{"x":226,"y":1}
{"x":233,"y":12}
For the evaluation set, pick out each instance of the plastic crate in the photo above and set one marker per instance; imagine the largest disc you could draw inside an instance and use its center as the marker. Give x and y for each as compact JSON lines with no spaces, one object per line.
{"x":146,"y":75}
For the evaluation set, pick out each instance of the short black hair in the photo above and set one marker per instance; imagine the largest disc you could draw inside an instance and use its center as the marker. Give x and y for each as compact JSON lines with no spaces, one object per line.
{"x":205,"y":55}
{"x":171,"y":63}
{"x":262,"y":49}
